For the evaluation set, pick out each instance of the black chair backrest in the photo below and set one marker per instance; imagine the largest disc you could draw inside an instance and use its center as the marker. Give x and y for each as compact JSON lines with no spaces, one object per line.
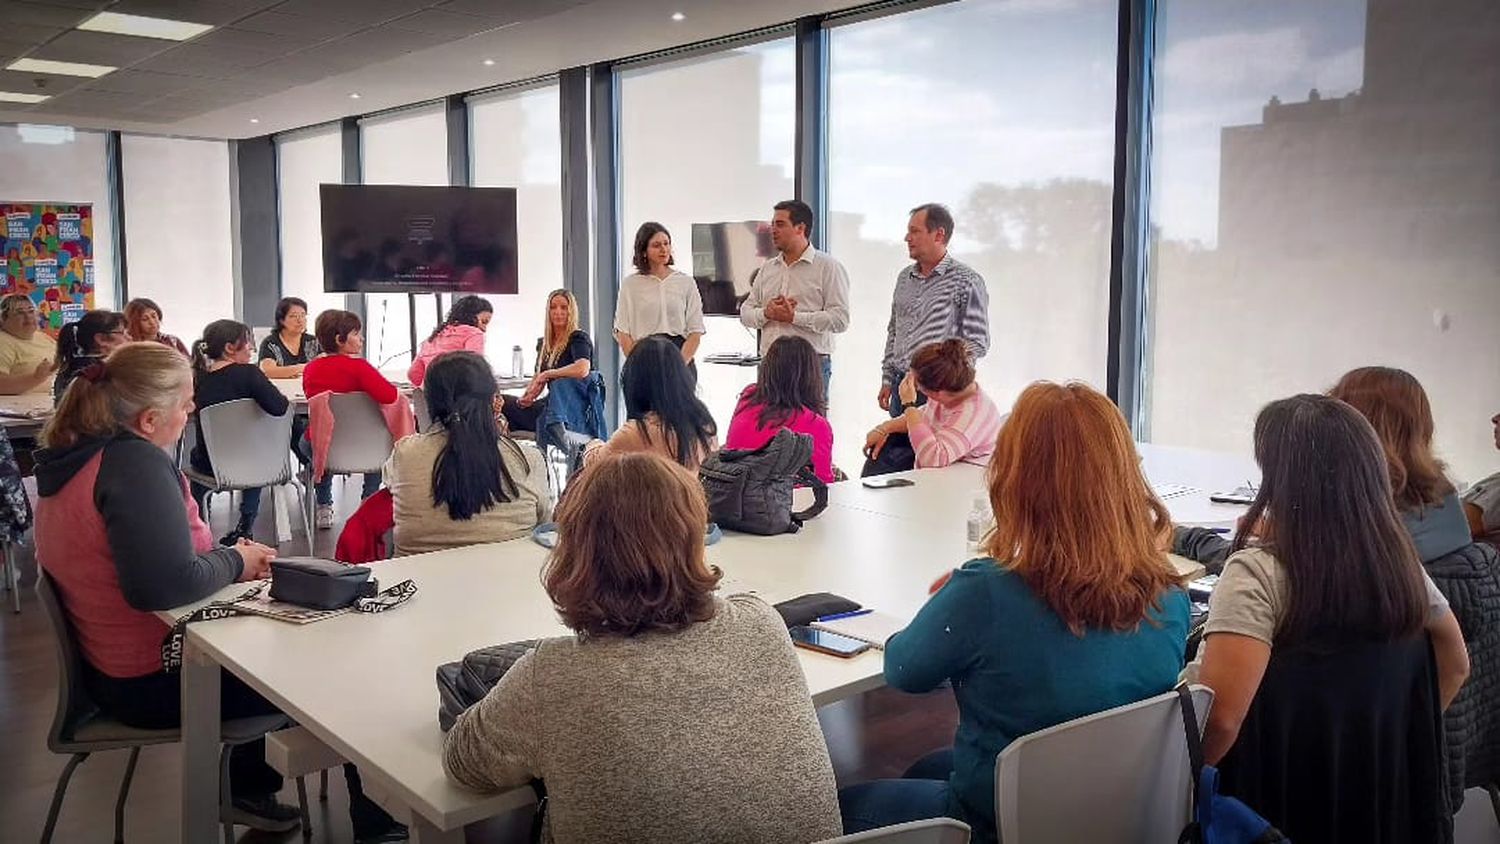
{"x":1470,"y":579}
{"x":1344,"y":745}
{"x":74,"y":705}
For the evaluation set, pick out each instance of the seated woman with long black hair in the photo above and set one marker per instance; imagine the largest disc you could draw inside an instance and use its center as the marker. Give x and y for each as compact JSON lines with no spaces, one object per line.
{"x":223,"y":373}
{"x":663,"y":414}
{"x":463,"y":482}
{"x":1317,"y":642}
{"x":85,"y":342}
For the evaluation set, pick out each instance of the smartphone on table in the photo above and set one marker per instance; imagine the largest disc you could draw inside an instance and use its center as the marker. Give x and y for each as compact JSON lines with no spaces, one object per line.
{"x":825,"y":642}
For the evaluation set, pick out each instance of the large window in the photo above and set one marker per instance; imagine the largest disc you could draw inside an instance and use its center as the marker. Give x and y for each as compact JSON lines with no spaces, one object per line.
{"x":63,"y":164}
{"x":731,"y":162}
{"x":409,"y":147}
{"x":1324,"y":197}
{"x":515,"y":143}
{"x":305,"y":160}
{"x":177,"y":231}
{"x":1004,"y":112}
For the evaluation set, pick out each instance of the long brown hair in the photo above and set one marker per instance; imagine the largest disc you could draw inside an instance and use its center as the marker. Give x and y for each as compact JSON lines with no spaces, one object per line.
{"x":1074,"y":515}
{"x":1329,"y":519}
{"x":629,"y":555}
{"x":135,"y":313}
{"x":554,"y":341}
{"x":790,"y":381}
{"x":99,"y":403}
{"x":1397,"y":408}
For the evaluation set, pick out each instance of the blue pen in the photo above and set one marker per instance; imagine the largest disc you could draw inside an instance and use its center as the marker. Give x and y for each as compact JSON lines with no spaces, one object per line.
{"x":838,"y":615}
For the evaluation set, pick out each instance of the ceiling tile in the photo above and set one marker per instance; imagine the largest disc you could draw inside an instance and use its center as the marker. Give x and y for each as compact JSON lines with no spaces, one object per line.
{"x":91,"y":5}
{"x":102,"y":103}
{"x":509,"y":11}
{"x":447,"y":24}
{"x":242,"y":39}
{"x":216,"y":12}
{"x":281,"y":23}
{"x":31,"y":33}
{"x":198,"y":59}
{"x":37,"y":14}
{"x":386,"y":42}
{"x":101,"y":48}
{"x":355,"y":11}
{"x":25,"y":83}
{"x":143,"y":83}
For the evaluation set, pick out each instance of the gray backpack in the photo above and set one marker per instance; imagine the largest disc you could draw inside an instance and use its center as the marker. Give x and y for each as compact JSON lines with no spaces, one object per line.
{"x":751,"y":491}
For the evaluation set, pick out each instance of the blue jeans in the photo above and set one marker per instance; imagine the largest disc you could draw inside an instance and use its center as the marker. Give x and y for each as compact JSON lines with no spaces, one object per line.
{"x":827,"y":361}
{"x":249,"y":504}
{"x":323,"y":490}
{"x":922,"y":793}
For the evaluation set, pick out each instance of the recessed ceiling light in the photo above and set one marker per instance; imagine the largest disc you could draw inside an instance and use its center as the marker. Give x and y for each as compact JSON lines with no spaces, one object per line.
{"x":679,"y":17}
{"x":93,"y":71}
{"x":144,"y":27}
{"x":13,"y":97}
{"x":255,"y":120}
{"x":489,"y":62}
{"x":353,"y":96}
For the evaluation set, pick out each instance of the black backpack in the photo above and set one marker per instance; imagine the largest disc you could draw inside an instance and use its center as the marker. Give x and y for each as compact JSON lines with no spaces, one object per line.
{"x":751,"y":491}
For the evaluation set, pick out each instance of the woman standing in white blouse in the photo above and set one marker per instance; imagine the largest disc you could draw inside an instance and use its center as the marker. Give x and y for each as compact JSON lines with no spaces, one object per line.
{"x":657,"y":299}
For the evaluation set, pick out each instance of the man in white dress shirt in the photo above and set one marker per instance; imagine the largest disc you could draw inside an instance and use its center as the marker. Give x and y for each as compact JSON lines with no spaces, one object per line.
{"x":800,"y":291}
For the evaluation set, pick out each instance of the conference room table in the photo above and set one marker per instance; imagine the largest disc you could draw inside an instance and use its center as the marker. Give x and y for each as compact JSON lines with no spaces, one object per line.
{"x":24,"y":416}
{"x":363,"y":684}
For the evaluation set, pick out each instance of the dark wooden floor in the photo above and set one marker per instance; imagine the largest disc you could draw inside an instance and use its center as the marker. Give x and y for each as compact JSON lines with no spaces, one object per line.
{"x":875,"y":735}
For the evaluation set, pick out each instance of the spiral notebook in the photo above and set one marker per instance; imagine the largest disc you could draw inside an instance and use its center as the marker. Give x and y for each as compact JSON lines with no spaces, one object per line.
{"x":872,"y":627}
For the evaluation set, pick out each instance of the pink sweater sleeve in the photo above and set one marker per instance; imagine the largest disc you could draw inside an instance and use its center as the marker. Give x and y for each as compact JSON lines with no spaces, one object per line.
{"x":957,"y":436}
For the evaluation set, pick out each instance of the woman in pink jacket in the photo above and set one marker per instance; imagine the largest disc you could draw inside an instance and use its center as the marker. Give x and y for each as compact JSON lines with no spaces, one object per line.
{"x":462,"y":331}
{"x":787,"y":394}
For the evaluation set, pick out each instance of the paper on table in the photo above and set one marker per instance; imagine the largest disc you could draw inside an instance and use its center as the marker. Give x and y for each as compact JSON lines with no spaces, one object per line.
{"x":872,"y":627}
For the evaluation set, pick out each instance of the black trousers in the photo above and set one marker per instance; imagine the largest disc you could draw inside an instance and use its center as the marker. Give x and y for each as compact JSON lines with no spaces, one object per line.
{"x":154,"y":702}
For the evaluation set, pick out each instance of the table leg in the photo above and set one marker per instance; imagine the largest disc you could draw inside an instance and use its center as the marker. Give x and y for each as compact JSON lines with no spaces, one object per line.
{"x":283,"y":519}
{"x":421,"y":831}
{"x":200,"y":745}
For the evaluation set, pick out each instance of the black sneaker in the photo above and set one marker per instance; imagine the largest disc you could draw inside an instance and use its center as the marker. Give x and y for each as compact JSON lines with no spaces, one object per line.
{"x":394,"y":835}
{"x":263,"y":813}
{"x":230,"y":538}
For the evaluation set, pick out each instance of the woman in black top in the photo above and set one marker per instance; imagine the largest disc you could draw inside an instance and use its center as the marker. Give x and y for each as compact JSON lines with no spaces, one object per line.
{"x":290,"y":347}
{"x":86,"y":342}
{"x":563,"y":351}
{"x":222,"y":372}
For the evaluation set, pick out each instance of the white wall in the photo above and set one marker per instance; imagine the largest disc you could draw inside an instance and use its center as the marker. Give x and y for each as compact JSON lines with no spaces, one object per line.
{"x":177,"y":229}
{"x":61,"y":164}
{"x":305,"y":160}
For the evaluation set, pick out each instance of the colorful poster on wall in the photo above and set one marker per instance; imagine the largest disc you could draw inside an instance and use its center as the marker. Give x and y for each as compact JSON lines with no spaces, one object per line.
{"x":48,"y":254}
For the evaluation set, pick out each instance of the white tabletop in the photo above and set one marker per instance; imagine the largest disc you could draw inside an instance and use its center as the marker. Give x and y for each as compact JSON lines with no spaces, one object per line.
{"x":26,"y":412}
{"x":364,"y":684}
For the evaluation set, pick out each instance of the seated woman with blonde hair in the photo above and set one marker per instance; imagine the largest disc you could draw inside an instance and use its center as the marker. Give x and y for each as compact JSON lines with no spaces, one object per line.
{"x":670,"y":714}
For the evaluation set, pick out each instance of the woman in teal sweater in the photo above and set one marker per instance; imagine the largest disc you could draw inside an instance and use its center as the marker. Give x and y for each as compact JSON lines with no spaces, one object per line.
{"x":1075,"y":610}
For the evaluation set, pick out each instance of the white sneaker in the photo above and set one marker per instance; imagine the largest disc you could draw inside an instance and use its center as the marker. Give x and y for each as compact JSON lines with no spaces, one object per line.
{"x":324,"y":519}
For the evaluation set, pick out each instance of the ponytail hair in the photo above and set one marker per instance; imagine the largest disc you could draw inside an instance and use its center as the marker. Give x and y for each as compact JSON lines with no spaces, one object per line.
{"x":469,"y":475}
{"x":218,"y":337}
{"x":109,"y":395}
{"x":80,"y":339}
{"x":465,"y":311}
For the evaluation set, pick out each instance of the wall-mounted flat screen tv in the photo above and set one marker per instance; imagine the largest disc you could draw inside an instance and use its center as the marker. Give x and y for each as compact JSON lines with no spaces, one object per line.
{"x":726,"y":258}
{"x":411,"y":239}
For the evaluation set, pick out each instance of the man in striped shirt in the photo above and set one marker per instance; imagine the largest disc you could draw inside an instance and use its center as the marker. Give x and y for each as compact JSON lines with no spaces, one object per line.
{"x":937,"y":298}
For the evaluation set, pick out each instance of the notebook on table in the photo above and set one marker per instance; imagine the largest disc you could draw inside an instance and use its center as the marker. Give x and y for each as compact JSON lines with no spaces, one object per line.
{"x":871,"y":627}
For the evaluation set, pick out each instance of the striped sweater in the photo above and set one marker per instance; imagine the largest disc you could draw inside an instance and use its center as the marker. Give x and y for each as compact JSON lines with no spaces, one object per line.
{"x":964,"y":433}
{"x":951,"y":303}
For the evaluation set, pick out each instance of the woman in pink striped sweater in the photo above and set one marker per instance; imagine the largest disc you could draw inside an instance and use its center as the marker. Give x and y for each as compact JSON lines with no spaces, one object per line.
{"x":958,"y":423}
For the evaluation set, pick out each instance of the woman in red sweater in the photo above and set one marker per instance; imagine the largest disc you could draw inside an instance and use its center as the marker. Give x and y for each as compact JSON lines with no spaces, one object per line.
{"x":340,"y":369}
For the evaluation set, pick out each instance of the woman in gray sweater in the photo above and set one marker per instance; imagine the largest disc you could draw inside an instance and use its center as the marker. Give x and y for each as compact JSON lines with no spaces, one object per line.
{"x":672,"y":714}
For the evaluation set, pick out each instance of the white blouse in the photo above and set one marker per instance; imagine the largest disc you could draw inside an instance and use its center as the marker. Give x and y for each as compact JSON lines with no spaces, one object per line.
{"x":649,"y":305}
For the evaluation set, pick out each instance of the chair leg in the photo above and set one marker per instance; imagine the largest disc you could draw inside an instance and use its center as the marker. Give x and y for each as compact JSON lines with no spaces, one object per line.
{"x":302,"y":807}
{"x":323,"y":786}
{"x":59,"y":793}
{"x":135,"y":753}
{"x":13,"y":577}
{"x":304,"y":496}
{"x":225,"y":802}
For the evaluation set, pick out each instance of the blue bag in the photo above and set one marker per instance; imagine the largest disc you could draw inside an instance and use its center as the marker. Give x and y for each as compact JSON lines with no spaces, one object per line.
{"x":1217,"y":819}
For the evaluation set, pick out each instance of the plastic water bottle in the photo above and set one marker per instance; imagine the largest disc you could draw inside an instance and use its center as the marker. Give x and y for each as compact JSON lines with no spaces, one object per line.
{"x":516,"y":364}
{"x":981,"y":520}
